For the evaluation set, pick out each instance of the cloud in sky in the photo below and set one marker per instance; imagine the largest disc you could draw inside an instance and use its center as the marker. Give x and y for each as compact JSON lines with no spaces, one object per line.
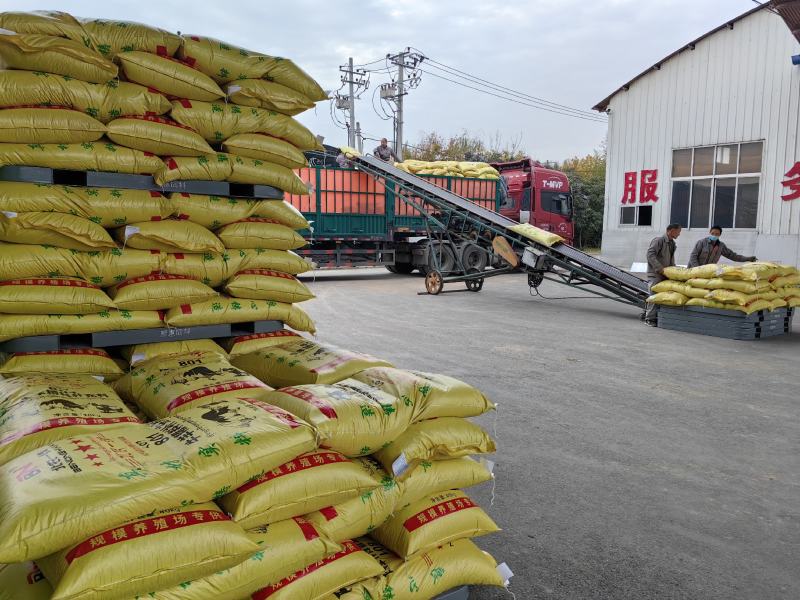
{"x":571,"y":52}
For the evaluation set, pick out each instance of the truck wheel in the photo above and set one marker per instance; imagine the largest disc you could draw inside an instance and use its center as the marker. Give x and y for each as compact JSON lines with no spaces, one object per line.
{"x":474,"y":257}
{"x":404,"y":268}
{"x":446,"y":257}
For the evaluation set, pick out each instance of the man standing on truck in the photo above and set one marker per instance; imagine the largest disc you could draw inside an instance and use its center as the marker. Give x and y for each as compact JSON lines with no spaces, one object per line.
{"x":384,"y":152}
{"x":660,"y":255}
{"x":710,"y":249}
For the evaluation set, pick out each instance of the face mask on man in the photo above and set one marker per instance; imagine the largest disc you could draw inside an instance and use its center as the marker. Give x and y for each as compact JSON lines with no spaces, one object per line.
{"x":713,"y":238}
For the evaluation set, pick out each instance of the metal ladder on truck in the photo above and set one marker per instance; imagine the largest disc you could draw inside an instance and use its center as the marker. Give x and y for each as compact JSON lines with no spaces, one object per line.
{"x":452,"y":220}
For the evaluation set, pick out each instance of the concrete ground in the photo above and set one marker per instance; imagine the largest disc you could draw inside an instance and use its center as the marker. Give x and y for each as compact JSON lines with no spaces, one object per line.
{"x":633,"y":462}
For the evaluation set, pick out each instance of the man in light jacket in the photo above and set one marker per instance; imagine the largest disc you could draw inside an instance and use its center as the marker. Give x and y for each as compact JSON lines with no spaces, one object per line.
{"x":660,"y":255}
{"x":710,"y":249}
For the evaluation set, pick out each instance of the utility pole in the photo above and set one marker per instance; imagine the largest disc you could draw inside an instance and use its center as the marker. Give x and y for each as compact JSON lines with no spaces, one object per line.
{"x":359,"y":139}
{"x":407,"y":78}
{"x":355,"y":79}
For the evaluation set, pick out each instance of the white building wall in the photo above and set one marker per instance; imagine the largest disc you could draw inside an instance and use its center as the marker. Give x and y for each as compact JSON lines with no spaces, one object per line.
{"x":737,"y":85}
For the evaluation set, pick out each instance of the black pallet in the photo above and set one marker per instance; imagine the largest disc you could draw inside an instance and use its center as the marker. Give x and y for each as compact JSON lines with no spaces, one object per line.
{"x":461,"y":593}
{"x":107,"y":339}
{"x":136,"y":182}
{"x":728,"y":324}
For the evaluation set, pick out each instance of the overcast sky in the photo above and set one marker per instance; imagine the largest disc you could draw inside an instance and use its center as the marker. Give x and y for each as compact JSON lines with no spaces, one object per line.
{"x":572,"y":52}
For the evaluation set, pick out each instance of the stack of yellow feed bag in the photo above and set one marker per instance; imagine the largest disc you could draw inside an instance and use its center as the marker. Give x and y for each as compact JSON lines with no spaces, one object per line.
{"x":236,"y":489}
{"x":747,"y":288}
{"x":196,"y":259}
{"x":449,"y":168}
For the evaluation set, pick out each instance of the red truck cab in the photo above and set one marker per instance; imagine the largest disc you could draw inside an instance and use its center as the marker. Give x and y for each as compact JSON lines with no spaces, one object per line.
{"x":538,"y":196}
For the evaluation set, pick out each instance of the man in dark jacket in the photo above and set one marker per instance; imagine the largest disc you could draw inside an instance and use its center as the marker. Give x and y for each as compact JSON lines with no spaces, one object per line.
{"x":710,"y":249}
{"x":384,"y":152}
{"x":660,"y":255}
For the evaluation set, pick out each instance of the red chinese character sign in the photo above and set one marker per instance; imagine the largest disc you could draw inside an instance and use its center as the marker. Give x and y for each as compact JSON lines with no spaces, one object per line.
{"x":647,"y":191}
{"x":792,"y":183}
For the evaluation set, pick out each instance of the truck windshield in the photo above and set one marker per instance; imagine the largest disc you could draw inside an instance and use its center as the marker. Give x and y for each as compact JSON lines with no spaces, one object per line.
{"x":557,"y":202}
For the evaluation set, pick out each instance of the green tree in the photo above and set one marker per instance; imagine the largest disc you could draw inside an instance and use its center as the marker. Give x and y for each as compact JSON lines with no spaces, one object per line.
{"x":587,"y":179}
{"x":465,"y":146}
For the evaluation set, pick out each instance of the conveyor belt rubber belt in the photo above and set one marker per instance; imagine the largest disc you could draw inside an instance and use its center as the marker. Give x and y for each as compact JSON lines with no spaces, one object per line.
{"x":598,"y":265}
{"x":564,"y":252}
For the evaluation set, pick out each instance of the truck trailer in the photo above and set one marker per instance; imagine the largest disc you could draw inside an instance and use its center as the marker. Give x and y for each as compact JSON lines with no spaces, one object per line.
{"x":360,"y":220}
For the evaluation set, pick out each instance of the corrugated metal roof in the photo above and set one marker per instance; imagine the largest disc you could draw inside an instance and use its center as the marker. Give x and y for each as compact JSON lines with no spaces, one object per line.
{"x":603,"y":104}
{"x":790,"y":11}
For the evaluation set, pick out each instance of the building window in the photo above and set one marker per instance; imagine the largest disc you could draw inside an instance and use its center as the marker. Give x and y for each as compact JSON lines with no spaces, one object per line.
{"x":641,"y":216}
{"x":716,"y":185}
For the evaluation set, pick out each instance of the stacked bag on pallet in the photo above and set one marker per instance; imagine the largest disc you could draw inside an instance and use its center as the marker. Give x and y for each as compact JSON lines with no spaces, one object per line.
{"x":449,"y":168}
{"x":88,"y":94}
{"x":746,"y":288}
{"x":298,"y":470}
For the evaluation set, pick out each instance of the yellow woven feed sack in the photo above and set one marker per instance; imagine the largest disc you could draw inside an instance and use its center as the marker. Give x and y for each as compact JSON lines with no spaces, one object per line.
{"x":23,"y":581}
{"x":262,"y":284}
{"x":210,"y":268}
{"x":40,"y":408}
{"x":731,"y":297}
{"x":702,"y":302}
{"x":429,"y":394}
{"x":109,"y":267}
{"x":217,"y":121}
{"x":53,"y":229}
{"x":141,"y":352}
{"x":683,"y":274}
{"x":59,"y":24}
{"x":350,"y":416}
{"x":108,"y":207}
{"x":211,"y":211}
{"x":229,"y":167}
{"x":222,"y":61}
{"x":34,"y":52}
{"x":159,"y":292}
{"x":136,"y":469}
{"x":263,"y":233}
{"x":88,"y":156}
{"x":753,"y":271}
{"x":233,"y":310}
{"x":48,"y":125}
{"x":786,"y":281}
{"x":318,"y":580}
{"x":169,"y":75}
{"x":115,"y":37}
{"x":225,"y":62}
{"x":788,"y":292}
{"x":52,"y":296}
{"x":303,"y":361}
{"x":793,"y":302}
{"x":285,"y":261}
{"x":778,"y":303}
{"x":362,"y":514}
{"x":265,"y":147}
{"x":14,"y":326}
{"x":434,"y":439}
{"x":170,"y":235}
{"x":267,"y":94}
{"x":435,"y":476}
{"x":748,"y":287}
{"x":154,"y":551}
{"x":546,"y":238}
{"x":281,"y":211}
{"x":305,"y":484}
{"x":103,"y":101}
{"x":432,"y":522}
{"x":20,"y":261}
{"x":428,"y":575}
{"x":245,"y":344}
{"x":75,"y":361}
{"x":284,"y":548}
{"x":158,"y":135}
{"x":173,"y":383}
{"x":682,"y":288}
{"x":668,"y":299}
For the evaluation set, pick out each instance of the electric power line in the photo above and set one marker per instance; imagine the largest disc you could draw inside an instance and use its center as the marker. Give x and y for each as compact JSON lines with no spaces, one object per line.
{"x":594,"y":118}
{"x":507,"y":90}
